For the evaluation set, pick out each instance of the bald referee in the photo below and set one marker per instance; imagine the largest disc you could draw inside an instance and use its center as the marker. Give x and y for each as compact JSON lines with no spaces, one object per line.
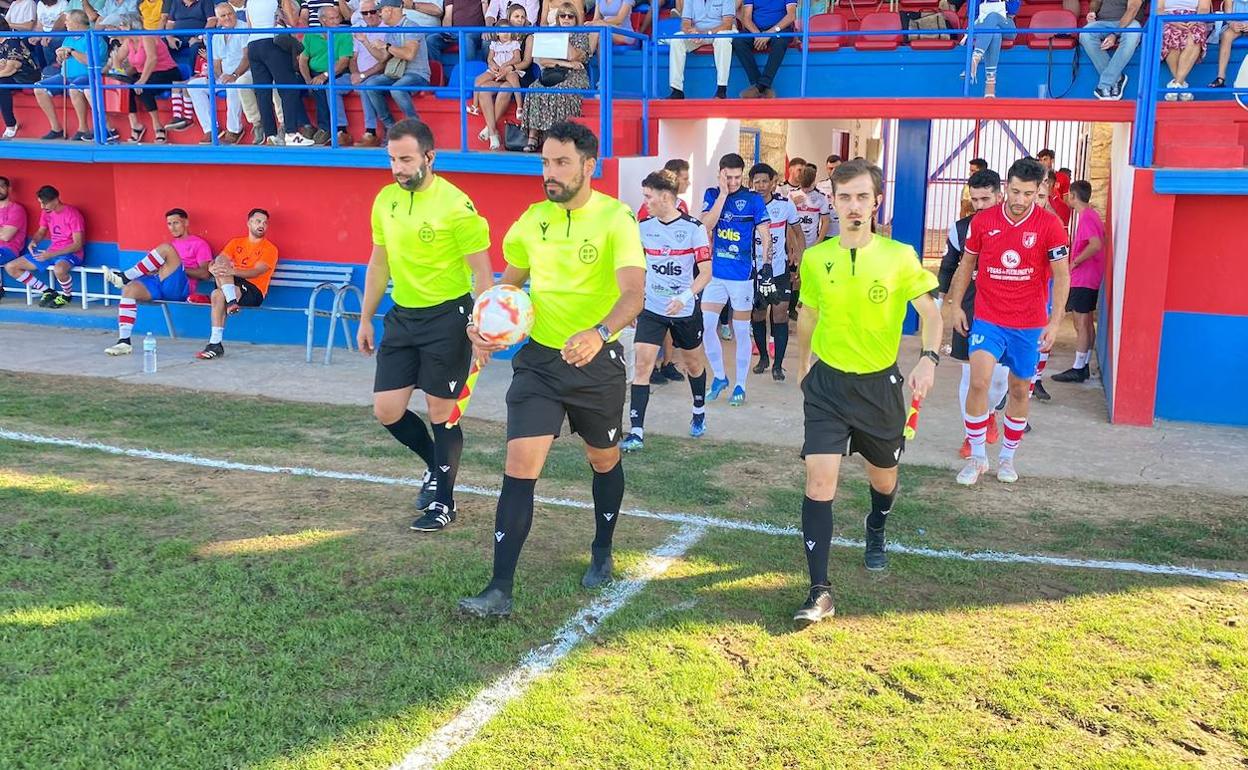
{"x":581,"y":252}
{"x":855,"y":288}
{"x":429,"y":239}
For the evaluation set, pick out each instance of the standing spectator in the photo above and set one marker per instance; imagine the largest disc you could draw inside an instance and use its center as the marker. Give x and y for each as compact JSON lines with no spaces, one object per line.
{"x":501,"y":63}
{"x":17,"y":67}
{"x":21,"y":16}
{"x":546,"y":106}
{"x":766,"y":17}
{"x":612,"y":13}
{"x":72,"y":57}
{"x":406,"y":64}
{"x":148,"y":61}
{"x":364,"y":64}
{"x":229,"y":54}
{"x":467,"y":13}
{"x":272,"y":61}
{"x":150,"y":14}
{"x":1087,"y":269}
{"x":242,"y":271}
{"x":64,"y":228}
{"x":317,"y":66}
{"x":163,"y":275}
{"x":12,"y":225}
{"x":712,"y":17}
{"x":1230,"y":31}
{"x":1097,"y":45}
{"x":49,"y":15}
{"x":1183,"y":44}
{"x":990,"y":14}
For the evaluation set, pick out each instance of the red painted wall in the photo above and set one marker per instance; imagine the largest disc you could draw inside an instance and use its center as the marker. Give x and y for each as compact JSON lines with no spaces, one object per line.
{"x":317,"y":214}
{"x":1206,"y":273}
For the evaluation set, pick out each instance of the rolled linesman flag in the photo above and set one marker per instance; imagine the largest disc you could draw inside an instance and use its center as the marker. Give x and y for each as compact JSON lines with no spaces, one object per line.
{"x":912,"y":418}
{"x":465,"y":395}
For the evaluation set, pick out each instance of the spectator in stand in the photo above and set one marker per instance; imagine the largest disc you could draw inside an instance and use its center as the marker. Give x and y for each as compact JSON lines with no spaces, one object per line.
{"x":711,"y":17}
{"x":1230,"y":31}
{"x":364,"y":64}
{"x":522,"y":67}
{"x":990,"y":14}
{"x":792,"y":177}
{"x":71,"y":81}
{"x":163,"y":275}
{"x":146,"y":61}
{"x":17,"y":67}
{"x":21,"y":18}
{"x":1183,"y":44}
{"x":229,"y":53}
{"x":64,"y":228}
{"x":501,"y":9}
{"x":272,"y":61}
{"x":546,"y":106}
{"x":310,"y":12}
{"x":1104,"y":14}
{"x":548,"y":16}
{"x":1087,"y":269}
{"x":242,"y":271}
{"x":150,"y":13}
{"x":766,"y":17}
{"x":428,"y":14}
{"x":406,"y":62}
{"x":612,"y":13}
{"x":49,"y":16}
{"x":504,"y":56}
{"x":317,"y":67}
{"x":186,"y":14}
{"x":103,"y":9}
{"x":12,"y":225}
{"x":467,"y":13}
{"x":680,"y":169}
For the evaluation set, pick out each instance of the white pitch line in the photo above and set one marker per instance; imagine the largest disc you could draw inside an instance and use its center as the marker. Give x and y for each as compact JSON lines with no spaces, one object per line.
{"x":461,"y":730}
{"x":673,"y":517}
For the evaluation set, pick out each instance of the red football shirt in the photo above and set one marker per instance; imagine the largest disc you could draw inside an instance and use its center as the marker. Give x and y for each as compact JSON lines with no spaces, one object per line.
{"x":1012,"y":271}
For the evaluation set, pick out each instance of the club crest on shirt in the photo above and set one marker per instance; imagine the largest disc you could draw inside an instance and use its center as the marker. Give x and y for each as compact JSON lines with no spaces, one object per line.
{"x":1029,"y":240}
{"x":1010,"y":258}
{"x":680,"y":235}
{"x":740,"y":204}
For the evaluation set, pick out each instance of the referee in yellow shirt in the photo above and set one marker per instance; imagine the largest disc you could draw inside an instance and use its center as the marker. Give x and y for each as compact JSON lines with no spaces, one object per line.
{"x":580,"y":251}
{"x":429,"y":239}
{"x":855,"y":289}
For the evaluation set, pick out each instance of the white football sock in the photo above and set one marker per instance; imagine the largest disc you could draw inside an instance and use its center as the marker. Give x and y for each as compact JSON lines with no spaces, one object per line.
{"x":710,"y":342}
{"x":741,"y":337}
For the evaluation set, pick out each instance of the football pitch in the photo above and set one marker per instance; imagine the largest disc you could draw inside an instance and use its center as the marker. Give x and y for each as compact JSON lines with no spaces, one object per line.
{"x":172,"y":595}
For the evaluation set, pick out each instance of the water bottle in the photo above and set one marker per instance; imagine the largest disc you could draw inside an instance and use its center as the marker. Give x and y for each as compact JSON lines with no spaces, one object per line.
{"x":149,"y":354}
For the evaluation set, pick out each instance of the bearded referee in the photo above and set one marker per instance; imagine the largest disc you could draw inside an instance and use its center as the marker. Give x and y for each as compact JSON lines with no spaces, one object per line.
{"x":429,"y":239}
{"x":581,"y":252}
{"x":855,"y":289}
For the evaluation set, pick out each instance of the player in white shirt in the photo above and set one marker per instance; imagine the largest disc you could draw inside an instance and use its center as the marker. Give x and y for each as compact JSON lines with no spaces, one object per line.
{"x":771,"y":265}
{"x":678,"y":268}
{"x":825,"y":187}
{"x":791,"y":181}
{"x":814,"y":209}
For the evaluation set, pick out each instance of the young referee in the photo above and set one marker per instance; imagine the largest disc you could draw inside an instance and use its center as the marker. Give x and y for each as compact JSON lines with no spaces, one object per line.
{"x":429,"y":239}
{"x":581,"y":253}
{"x":855,"y":289}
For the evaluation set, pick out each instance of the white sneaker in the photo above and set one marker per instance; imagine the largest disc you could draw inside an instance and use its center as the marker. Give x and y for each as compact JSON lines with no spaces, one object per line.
{"x":120,"y":349}
{"x":974,"y":468}
{"x":114,"y":277}
{"x":298,"y":140}
{"x":11,"y":131}
{"x":495,"y":143}
{"x":1186,"y":96}
{"x":1172,"y":97}
{"x":1005,"y":471}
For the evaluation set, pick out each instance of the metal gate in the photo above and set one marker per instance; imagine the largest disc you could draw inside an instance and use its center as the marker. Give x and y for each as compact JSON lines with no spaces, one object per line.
{"x":955,"y":143}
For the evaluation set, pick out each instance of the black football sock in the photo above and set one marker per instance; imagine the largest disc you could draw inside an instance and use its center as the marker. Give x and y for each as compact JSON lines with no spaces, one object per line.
{"x":817,"y":538}
{"x":760,"y":338}
{"x":512,"y":520}
{"x":780,"y":333}
{"x":448,"y":445}
{"x":637,"y":402}
{"x":881,"y":505}
{"x":411,"y":432}
{"x":697,"y":386}
{"x":608,"y":494}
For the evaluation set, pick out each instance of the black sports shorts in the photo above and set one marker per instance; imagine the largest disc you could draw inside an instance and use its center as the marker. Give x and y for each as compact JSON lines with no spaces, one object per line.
{"x":686,"y":332}
{"x":425,"y":347}
{"x":545,"y":389}
{"x":847,"y":413}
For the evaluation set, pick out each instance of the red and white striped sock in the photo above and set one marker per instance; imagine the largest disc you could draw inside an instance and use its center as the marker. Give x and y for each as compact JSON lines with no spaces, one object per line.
{"x":127,"y":311}
{"x":177,"y":104}
{"x":976,"y":434}
{"x":1044,"y":361}
{"x":31,"y":281}
{"x":1014,"y":430}
{"x":146,"y":266}
{"x":67,"y":284}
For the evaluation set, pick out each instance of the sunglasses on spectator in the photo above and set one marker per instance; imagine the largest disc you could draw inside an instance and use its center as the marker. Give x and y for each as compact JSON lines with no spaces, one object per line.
{"x":567,"y":16}
{"x":369,"y":13}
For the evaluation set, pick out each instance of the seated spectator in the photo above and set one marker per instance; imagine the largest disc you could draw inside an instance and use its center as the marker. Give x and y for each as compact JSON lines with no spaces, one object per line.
{"x":1097,"y":45}
{"x":697,"y":16}
{"x":49,"y":16}
{"x":103,"y":9}
{"x":164,"y":275}
{"x":1230,"y":31}
{"x":242,"y":271}
{"x":1183,"y":44}
{"x":406,"y":63}
{"x":310,"y":12}
{"x":612,"y":13}
{"x":12,"y":224}
{"x":145,"y":61}
{"x":315,"y":65}
{"x":548,"y":16}
{"x":501,"y":70}
{"x":151,"y":13}
{"x":230,"y":65}
{"x":766,"y":17}
{"x":990,"y":14}
{"x":65,"y":228}
{"x":21,"y":17}
{"x":466,"y":13}
{"x":428,"y":14}
{"x":364,"y":64}
{"x":71,"y":81}
{"x":181,"y":105}
{"x":186,"y":51}
{"x":545,"y":106}
{"x":17,"y":67}
{"x":501,"y":9}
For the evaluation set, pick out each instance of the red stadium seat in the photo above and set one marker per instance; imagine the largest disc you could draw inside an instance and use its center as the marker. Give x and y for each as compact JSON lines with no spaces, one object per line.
{"x":827,"y":22}
{"x":918,"y":6}
{"x":436,"y":75}
{"x":1052,"y":19}
{"x":879,"y":20}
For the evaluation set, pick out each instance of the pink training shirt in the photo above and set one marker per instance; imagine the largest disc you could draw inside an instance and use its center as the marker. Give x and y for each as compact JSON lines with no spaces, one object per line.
{"x":1089,"y":273}
{"x":193,"y":251}
{"x":14,"y":215}
{"x":62,"y":225}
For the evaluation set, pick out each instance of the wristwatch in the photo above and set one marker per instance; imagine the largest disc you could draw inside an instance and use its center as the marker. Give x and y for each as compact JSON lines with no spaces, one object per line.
{"x":603,"y":332}
{"x":932,"y":355}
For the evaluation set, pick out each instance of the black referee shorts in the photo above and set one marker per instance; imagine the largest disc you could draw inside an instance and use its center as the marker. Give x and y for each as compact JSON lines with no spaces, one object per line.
{"x":847,"y":413}
{"x":959,"y":346}
{"x":686,"y":332}
{"x":425,"y":347}
{"x":544,"y":390}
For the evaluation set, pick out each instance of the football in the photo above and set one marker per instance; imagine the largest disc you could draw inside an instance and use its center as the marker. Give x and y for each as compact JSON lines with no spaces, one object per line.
{"x":503,"y":314}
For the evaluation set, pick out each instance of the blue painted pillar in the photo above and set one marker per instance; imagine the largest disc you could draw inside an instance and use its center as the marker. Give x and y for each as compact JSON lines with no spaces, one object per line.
{"x":910,"y":191}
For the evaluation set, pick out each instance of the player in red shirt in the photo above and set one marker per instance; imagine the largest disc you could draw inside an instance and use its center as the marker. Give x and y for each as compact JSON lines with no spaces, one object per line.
{"x":1014,"y":250}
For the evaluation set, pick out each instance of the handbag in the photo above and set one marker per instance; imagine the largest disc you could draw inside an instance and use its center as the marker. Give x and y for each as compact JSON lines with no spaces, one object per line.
{"x":553,"y":76}
{"x":395,"y":67}
{"x":514,"y":137}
